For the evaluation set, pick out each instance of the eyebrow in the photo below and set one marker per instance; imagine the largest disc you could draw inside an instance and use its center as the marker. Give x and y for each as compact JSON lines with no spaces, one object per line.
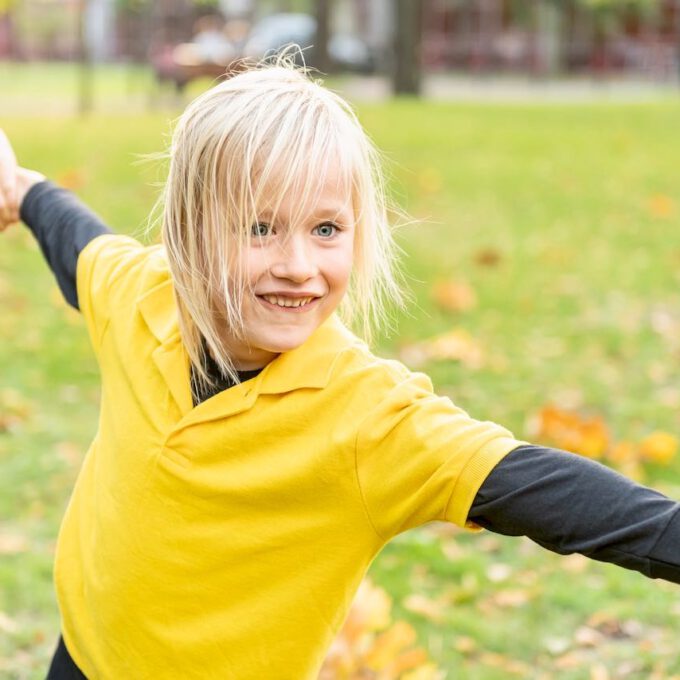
{"x":328,"y":211}
{"x":334,"y":210}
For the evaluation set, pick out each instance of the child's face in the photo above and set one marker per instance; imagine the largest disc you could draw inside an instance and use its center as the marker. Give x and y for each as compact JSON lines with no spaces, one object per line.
{"x":314,"y":262}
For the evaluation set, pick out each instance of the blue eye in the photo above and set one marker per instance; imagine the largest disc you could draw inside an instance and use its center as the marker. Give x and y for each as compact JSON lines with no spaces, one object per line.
{"x":327,"y":229}
{"x":260,"y":229}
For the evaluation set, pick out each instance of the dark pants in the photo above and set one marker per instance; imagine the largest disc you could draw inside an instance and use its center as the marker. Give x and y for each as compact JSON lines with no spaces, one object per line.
{"x":63,"y":667}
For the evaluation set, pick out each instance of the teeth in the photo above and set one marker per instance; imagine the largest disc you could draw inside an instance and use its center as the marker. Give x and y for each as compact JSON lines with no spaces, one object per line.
{"x":286,"y":302}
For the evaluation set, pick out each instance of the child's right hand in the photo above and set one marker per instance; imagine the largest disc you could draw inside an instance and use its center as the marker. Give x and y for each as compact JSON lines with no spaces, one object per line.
{"x":15,"y":183}
{"x":9,"y":199}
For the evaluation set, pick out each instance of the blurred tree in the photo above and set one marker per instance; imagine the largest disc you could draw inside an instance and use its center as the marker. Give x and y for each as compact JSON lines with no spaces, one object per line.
{"x":549,"y":18}
{"x":407,"y":68}
{"x":84,"y":57}
{"x":322,"y":10}
{"x":608,"y":16}
{"x":7,"y":38}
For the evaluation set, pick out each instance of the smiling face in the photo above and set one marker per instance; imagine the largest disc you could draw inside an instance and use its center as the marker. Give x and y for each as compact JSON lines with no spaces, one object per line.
{"x":272,"y":148}
{"x":297,"y":263}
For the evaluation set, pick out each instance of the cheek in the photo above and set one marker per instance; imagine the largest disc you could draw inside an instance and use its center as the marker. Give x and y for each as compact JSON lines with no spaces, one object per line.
{"x":338,"y":270}
{"x":254,"y":265}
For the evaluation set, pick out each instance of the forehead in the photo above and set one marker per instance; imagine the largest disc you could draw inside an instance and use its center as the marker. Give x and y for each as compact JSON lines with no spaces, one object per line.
{"x":326,"y":193}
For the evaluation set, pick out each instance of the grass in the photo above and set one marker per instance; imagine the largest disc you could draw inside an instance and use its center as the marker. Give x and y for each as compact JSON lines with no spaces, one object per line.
{"x":580,"y":206}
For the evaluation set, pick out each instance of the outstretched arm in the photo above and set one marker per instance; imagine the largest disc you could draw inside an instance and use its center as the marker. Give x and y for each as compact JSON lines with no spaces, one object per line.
{"x":570,"y":504}
{"x":61,"y":224}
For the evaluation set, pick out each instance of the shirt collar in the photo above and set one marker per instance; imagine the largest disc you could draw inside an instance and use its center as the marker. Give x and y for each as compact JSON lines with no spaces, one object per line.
{"x":309,"y":365}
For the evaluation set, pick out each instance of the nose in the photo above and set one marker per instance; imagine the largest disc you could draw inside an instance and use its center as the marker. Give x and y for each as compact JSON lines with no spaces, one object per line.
{"x":295,"y":260}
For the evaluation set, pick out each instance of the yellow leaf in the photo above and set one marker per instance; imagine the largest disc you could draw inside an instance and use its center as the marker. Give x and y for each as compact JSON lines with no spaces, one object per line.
{"x":573,"y":432}
{"x":388,"y":644}
{"x":511,"y":598}
{"x":465,"y":645}
{"x":454,"y":296}
{"x":623,"y":452}
{"x":360,"y":651}
{"x":425,"y":606}
{"x":455,"y":345}
{"x":406,"y":661}
{"x":427,"y":672}
{"x":659,"y":447}
{"x":7,"y":625}
{"x":72,"y":179}
{"x":599,"y":672}
{"x":661,"y":206}
{"x":10,"y":544}
{"x":372,"y":606}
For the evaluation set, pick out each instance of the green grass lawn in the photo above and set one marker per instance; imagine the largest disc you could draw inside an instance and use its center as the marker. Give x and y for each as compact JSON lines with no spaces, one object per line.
{"x":575,"y":210}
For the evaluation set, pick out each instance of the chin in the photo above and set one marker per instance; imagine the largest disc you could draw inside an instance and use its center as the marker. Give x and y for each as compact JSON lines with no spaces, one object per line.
{"x":285,"y":344}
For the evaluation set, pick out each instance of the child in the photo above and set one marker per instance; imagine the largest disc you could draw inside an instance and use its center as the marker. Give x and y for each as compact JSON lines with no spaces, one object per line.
{"x":253,"y":456}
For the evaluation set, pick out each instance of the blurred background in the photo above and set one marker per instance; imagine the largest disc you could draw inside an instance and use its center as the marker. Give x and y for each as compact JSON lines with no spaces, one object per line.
{"x":400,"y":46}
{"x":536,"y":145}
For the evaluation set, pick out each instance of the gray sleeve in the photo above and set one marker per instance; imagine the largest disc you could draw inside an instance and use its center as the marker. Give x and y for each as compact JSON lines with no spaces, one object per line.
{"x":570,"y":504}
{"x":63,"y":226}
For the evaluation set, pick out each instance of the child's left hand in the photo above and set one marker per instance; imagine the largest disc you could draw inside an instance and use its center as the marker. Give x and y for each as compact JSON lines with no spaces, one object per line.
{"x":9,"y":204}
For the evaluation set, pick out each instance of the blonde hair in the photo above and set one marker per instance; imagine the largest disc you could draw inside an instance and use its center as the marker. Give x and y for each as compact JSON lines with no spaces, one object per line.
{"x":231,"y":144}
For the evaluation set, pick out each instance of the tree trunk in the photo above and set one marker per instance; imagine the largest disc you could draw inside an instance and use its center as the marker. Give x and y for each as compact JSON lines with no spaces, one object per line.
{"x":85,"y":61}
{"x":550,"y":28}
{"x":322,"y":60}
{"x":407,"y":70}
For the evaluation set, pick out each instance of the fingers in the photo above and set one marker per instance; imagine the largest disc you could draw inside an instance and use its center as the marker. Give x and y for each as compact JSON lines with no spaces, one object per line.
{"x":9,"y":208}
{"x":9,"y":204}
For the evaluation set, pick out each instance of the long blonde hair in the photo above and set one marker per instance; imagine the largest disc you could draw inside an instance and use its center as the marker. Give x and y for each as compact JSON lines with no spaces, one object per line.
{"x":228,"y":146}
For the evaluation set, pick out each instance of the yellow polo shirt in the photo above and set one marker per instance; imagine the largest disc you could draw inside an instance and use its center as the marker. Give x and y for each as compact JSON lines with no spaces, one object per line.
{"x":228,"y":540}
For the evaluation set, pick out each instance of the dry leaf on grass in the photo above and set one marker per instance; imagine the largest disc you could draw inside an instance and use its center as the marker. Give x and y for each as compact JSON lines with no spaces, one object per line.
{"x":454,"y":345}
{"x":12,"y":543}
{"x":370,"y":645}
{"x":661,"y":206}
{"x":426,"y":607}
{"x":488,"y":257}
{"x":659,"y":447}
{"x":585,"y":435}
{"x":454,"y":295}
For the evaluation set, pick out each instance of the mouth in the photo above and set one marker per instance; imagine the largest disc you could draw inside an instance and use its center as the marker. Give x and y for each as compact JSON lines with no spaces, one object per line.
{"x":288,"y":304}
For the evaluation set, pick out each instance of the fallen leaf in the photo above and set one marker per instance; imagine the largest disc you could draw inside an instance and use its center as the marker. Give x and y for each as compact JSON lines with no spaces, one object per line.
{"x":426,"y":672}
{"x":587,"y":436}
{"x":661,"y":206}
{"x":659,"y":447}
{"x":71,"y":179}
{"x":389,"y":644}
{"x":370,"y":645}
{"x":7,"y":624}
{"x":599,"y":672}
{"x":454,"y":296}
{"x":488,"y":257}
{"x":12,"y":543}
{"x":455,"y":345}
{"x":425,"y":606}
{"x":465,"y":645}
{"x":585,"y":636}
